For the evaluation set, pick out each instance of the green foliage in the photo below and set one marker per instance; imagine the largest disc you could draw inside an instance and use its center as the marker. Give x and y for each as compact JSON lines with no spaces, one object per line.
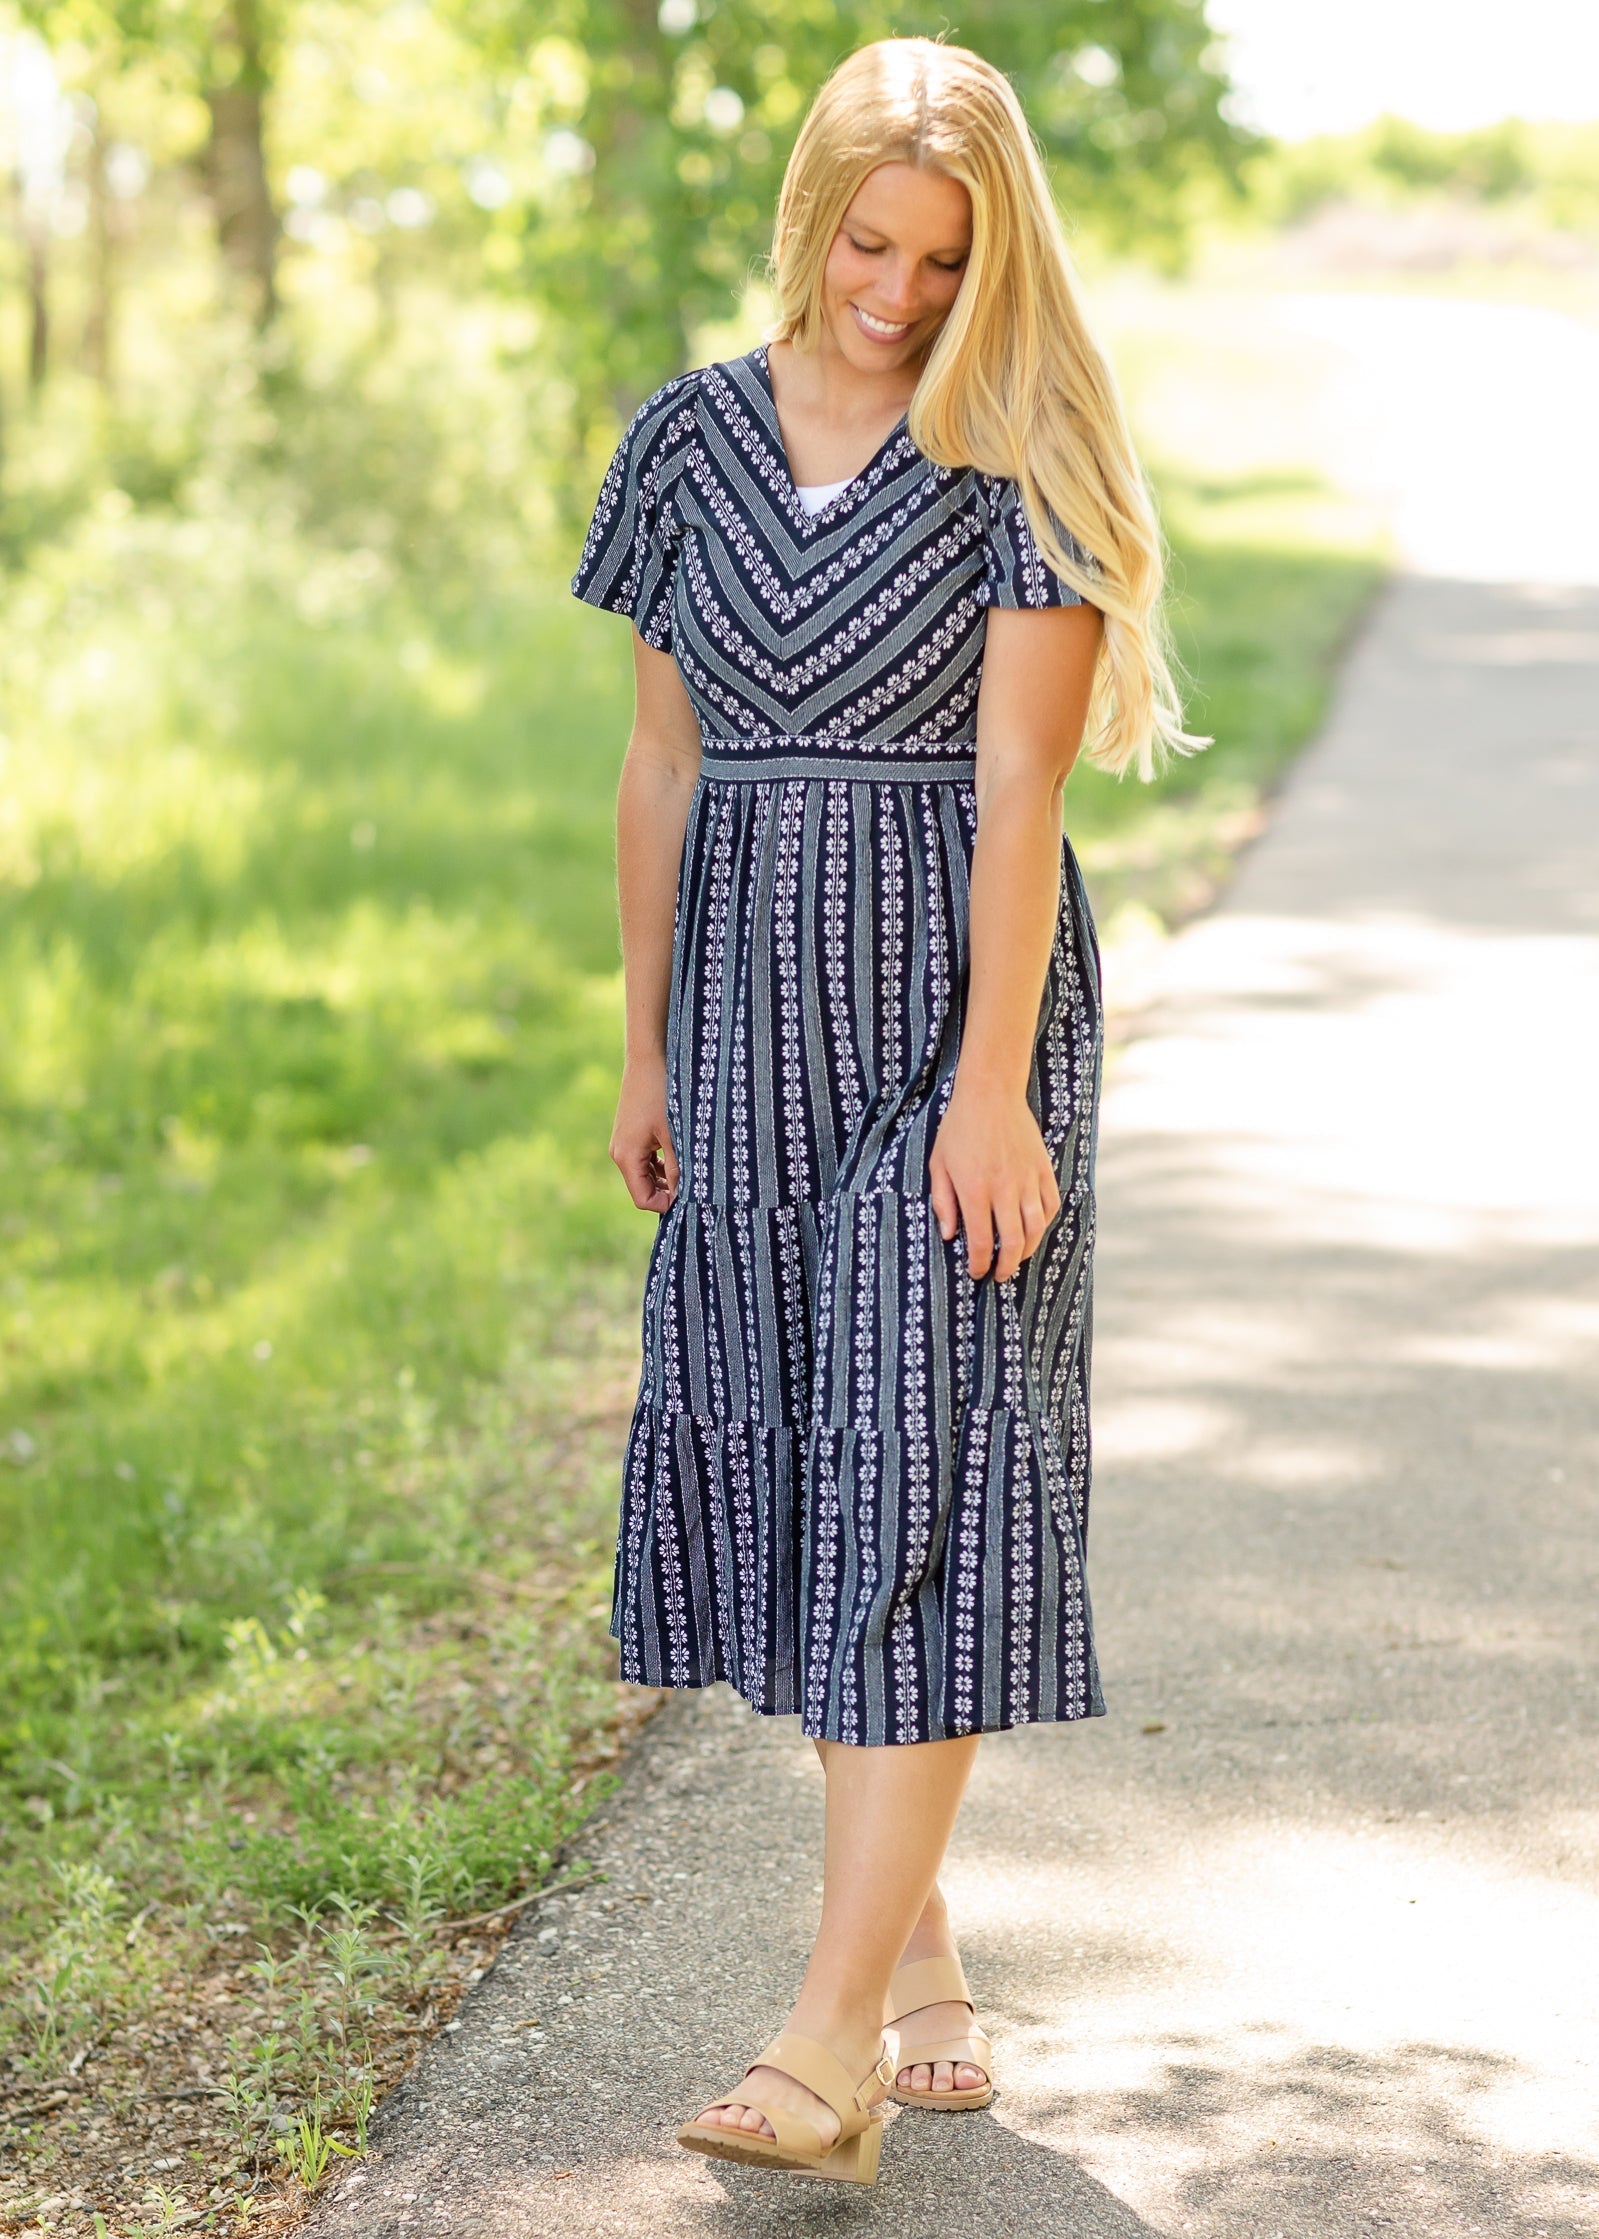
{"x":303,"y":1007}
{"x":1550,"y":170}
{"x":1492,"y":162}
{"x":309,"y":972}
{"x":475,"y":1845}
{"x":664,"y":137}
{"x":306,"y":2149}
{"x":610,"y":165}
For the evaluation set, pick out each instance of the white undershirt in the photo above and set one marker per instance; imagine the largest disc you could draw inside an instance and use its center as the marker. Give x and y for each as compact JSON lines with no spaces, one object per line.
{"x":814,"y":495}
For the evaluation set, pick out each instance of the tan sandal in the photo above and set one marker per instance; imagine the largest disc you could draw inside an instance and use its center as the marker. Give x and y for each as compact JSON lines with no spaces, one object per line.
{"x":935,"y":1982}
{"x":797,"y":2144}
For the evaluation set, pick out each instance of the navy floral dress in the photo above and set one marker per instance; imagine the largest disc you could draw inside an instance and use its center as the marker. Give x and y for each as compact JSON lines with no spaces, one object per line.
{"x":856,"y":1483}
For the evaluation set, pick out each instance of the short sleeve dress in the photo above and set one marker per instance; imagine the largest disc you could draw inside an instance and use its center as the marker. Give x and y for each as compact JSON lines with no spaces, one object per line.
{"x":856,"y":1482}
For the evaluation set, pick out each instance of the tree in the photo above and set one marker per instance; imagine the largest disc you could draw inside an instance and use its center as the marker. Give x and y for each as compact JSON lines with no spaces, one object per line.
{"x":40,"y":120}
{"x":221,"y":51}
{"x":232,"y":53}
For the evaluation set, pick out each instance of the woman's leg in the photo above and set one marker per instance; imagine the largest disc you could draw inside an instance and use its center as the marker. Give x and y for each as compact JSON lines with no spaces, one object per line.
{"x":931,"y":1938}
{"x":890,"y":1812}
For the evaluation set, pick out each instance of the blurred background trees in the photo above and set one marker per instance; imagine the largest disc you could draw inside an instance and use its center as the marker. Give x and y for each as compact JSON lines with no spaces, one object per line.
{"x":338,"y":240}
{"x":388,"y":251}
{"x":665,"y":132}
{"x":590,"y":181}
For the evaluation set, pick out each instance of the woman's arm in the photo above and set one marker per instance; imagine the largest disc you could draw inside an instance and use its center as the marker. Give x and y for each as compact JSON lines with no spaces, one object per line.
{"x":658,"y":779}
{"x":990,"y":1170}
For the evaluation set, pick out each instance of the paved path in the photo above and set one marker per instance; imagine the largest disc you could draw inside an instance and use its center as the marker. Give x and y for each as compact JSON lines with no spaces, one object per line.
{"x":1304,"y":1937}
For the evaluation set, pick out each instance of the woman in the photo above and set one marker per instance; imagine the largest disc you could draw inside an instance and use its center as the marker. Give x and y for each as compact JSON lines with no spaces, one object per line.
{"x":883,"y":572}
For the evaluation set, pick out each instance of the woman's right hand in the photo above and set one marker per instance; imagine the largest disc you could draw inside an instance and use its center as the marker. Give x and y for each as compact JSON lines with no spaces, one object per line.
{"x":641,"y":1141}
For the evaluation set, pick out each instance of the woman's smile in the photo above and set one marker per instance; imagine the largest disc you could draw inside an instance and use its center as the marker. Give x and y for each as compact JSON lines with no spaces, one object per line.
{"x":880,"y":330}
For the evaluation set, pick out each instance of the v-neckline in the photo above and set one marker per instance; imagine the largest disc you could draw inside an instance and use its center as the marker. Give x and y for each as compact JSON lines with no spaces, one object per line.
{"x":853,"y":489}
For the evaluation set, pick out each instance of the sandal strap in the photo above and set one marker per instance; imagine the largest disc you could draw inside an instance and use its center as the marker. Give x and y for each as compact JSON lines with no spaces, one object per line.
{"x":821,"y":2071}
{"x":971,"y":2051}
{"x":927,"y":1982}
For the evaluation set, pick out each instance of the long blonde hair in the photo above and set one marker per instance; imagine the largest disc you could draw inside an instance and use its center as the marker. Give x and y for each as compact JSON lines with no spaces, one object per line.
{"x":1015,"y":383}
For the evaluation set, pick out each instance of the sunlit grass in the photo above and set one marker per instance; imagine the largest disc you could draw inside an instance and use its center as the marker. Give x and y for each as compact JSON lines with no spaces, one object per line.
{"x":1270,"y":573}
{"x":309,"y":1012}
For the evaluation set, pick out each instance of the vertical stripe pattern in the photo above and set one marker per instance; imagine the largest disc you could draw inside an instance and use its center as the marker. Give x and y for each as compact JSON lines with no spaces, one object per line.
{"x":856,"y":1483}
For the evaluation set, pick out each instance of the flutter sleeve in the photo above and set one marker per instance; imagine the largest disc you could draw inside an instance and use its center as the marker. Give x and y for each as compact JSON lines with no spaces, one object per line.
{"x":630,"y":552}
{"x":1014,"y":571}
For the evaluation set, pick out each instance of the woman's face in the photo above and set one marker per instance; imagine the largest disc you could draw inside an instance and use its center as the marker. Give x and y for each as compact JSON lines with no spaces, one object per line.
{"x":896,"y":265}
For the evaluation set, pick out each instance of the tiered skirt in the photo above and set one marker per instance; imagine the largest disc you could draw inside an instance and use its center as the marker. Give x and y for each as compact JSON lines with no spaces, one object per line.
{"x":856,"y":1483}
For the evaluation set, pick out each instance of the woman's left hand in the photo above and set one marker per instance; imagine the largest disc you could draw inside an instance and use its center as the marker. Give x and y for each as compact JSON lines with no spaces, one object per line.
{"x":992,"y":1174}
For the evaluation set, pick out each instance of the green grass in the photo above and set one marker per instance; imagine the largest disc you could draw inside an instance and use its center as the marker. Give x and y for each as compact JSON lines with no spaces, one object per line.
{"x":308,"y":1005}
{"x":315,"y":1299}
{"x":1270,"y":576}
{"x":317,"y":1292}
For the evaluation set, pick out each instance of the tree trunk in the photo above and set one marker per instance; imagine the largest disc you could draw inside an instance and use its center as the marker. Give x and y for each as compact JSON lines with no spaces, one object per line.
{"x":236,"y":175}
{"x":36,"y":234}
{"x":98,"y":318}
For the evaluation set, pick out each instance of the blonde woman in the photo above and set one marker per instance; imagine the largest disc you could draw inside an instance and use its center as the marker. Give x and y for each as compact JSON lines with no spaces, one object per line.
{"x":884,"y":572}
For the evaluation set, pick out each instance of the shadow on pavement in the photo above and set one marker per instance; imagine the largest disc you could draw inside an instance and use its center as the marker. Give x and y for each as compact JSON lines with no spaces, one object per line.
{"x":1369,"y":2143}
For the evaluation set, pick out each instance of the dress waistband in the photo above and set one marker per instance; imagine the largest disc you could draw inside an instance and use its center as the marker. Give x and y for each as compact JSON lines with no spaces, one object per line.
{"x":769,"y":760}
